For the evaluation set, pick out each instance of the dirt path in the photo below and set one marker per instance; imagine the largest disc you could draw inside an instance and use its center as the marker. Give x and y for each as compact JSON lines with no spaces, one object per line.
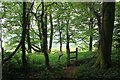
{"x":70,"y":72}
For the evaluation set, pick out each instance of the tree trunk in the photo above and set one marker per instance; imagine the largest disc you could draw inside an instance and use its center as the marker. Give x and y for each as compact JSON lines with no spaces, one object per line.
{"x":22,"y":42}
{"x":51,"y":34}
{"x":60,"y":42}
{"x":60,"y":35}
{"x":45,"y":42}
{"x":67,"y":44}
{"x":7,"y":59}
{"x":24,"y":29}
{"x":2,"y":49}
{"x":40,"y":36}
{"x":44,"y":34}
{"x":28,"y":35}
{"x":106,"y":32}
{"x":91,"y":36}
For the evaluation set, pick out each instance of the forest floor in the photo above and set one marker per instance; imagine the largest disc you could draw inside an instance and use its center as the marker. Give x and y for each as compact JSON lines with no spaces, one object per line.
{"x":81,"y":69}
{"x":70,"y":72}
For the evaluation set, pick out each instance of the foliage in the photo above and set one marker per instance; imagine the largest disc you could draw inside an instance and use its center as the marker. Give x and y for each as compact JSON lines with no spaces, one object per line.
{"x":36,"y":67}
{"x":78,"y":15}
{"x":78,"y":25}
{"x":86,"y":72}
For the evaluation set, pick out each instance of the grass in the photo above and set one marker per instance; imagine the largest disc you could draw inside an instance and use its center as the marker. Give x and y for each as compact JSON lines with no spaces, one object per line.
{"x":86,"y":72}
{"x":36,"y":67}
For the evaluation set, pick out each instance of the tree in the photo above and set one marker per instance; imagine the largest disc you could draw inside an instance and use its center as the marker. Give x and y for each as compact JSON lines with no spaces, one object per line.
{"x":91,"y":36}
{"x":1,"y":49}
{"x":24,"y":29}
{"x":28,"y":30}
{"x":116,"y":36}
{"x":44,"y":34}
{"x":24,"y":22}
{"x":106,"y":32}
{"x":60,"y":39}
{"x":25,"y":26}
{"x":51,"y":34}
{"x":67,"y":43}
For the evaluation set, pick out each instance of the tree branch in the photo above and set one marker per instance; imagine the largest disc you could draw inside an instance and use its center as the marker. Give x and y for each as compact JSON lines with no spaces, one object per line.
{"x":12,"y":53}
{"x":37,"y":50}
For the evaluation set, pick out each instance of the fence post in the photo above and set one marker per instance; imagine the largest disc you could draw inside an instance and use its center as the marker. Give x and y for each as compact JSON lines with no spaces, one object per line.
{"x":76,"y":53}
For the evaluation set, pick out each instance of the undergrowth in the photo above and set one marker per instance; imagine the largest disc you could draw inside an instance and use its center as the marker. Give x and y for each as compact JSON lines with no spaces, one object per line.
{"x":36,"y":68}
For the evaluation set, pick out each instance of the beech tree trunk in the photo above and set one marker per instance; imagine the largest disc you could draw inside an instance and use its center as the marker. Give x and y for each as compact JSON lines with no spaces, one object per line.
{"x":60,"y":34}
{"x":51,"y":34}
{"x":67,"y":44}
{"x":2,"y":49}
{"x":28,"y":35}
{"x":60,"y":38}
{"x":106,"y":32}
{"x":44,"y":34}
{"x":24,"y":29}
{"x":91,"y":36}
{"x":24,"y":32}
{"x":40,"y":36}
{"x":29,"y":8}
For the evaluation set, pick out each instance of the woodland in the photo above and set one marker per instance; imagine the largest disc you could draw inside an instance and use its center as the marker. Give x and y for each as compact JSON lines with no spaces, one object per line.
{"x":60,"y":40}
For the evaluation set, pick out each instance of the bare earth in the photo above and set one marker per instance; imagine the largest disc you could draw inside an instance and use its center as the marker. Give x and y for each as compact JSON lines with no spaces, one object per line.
{"x":70,"y":72}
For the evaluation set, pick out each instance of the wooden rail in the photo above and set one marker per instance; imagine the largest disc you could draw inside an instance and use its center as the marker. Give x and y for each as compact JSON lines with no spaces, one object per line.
{"x":71,"y":58}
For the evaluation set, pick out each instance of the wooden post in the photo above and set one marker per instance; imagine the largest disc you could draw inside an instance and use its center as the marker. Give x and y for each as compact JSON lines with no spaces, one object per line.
{"x":76,"y":53}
